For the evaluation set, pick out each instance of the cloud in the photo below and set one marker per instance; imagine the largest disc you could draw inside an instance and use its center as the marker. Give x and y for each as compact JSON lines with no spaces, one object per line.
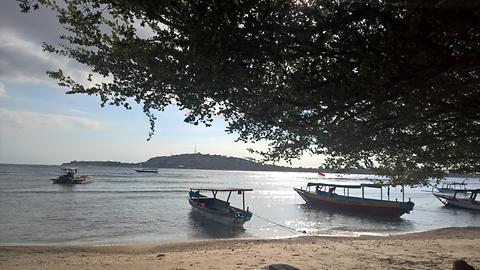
{"x":21,"y":38}
{"x":3,"y":90}
{"x":37,"y":26}
{"x":24,"y":61}
{"x":16,"y":121}
{"x":21,"y":56}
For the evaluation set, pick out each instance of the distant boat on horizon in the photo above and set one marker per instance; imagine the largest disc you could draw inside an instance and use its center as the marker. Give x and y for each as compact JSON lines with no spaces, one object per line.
{"x":147,"y":170}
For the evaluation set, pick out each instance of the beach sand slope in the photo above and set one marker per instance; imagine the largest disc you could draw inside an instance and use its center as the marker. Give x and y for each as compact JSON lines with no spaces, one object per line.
{"x":426,"y":250}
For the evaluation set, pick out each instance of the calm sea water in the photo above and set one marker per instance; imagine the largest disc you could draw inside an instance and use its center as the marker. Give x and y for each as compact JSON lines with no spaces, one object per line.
{"x":122,"y":206}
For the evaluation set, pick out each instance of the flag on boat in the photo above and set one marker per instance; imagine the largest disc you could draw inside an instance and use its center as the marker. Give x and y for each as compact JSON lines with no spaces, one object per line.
{"x":321,"y":173}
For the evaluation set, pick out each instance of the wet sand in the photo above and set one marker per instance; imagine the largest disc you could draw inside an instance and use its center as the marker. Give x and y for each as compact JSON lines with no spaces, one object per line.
{"x":425,"y":250}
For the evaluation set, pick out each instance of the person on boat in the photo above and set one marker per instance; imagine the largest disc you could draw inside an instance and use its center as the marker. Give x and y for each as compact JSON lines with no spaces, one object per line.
{"x":331,"y":190}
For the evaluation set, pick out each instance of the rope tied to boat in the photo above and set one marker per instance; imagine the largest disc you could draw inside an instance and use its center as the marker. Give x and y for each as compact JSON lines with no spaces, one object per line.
{"x":289,"y":229}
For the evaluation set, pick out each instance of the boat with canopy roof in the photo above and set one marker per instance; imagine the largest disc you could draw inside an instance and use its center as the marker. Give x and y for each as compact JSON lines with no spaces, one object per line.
{"x":460,"y":198}
{"x":324,"y":195}
{"x":220,"y":210}
{"x":69,"y":176}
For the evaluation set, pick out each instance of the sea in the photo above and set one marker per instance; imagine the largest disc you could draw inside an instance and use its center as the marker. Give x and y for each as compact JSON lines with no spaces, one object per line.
{"x":123,"y":206}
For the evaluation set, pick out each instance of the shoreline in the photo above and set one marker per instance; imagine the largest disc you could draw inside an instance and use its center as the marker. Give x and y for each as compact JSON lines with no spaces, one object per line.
{"x":195,"y":240}
{"x":169,"y":242}
{"x":435,"y":249}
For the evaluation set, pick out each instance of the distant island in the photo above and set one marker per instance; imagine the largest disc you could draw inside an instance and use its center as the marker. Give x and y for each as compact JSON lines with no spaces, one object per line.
{"x":219,"y":162}
{"x":200,"y":161}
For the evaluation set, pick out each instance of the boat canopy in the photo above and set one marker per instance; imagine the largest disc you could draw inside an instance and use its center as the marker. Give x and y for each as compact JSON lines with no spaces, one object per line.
{"x":467,"y":190}
{"x":195,"y":192}
{"x":69,"y":170}
{"x":348,"y":186}
{"x":455,"y":183}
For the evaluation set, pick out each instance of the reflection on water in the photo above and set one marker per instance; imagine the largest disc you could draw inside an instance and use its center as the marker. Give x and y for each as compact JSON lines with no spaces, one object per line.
{"x":324,"y":221}
{"x":202,"y":227}
{"x":348,"y":214}
{"x":455,"y":211}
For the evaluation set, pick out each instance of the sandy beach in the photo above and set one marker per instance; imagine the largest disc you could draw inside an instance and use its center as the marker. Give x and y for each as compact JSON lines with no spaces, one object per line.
{"x":425,"y":250}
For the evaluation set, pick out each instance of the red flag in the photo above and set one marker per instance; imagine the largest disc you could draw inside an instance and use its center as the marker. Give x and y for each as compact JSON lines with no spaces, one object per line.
{"x":321,"y":173}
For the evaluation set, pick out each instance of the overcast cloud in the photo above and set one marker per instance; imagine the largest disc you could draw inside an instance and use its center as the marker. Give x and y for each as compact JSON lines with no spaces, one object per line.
{"x":21,"y":39}
{"x":37,"y":26}
{"x":23,"y":60}
{"x":3,"y":90}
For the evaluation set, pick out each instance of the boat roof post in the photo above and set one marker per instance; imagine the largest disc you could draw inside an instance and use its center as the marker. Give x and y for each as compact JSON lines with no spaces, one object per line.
{"x":363,"y":192}
{"x":243,"y":199}
{"x":228,"y":198}
{"x":403,"y":193}
{"x":214,"y":193}
{"x":381,"y":194}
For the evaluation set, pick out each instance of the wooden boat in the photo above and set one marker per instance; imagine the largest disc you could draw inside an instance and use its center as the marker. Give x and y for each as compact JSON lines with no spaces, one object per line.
{"x":460,"y":198}
{"x":147,"y":170}
{"x":218,"y":210}
{"x":69,"y":176}
{"x":325,"y":196}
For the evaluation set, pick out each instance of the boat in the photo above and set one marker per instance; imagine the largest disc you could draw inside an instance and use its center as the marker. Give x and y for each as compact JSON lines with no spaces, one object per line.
{"x":69,"y":176}
{"x":325,"y":196}
{"x":147,"y":170}
{"x":460,"y":198}
{"x":218,"y":210}
{"x":450,"y":187}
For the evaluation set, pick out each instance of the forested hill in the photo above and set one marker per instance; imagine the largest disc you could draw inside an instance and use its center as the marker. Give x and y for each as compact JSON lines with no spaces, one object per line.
{"x":214,"y":162}
{"x":77,"y":163}
{"x":195,"y":161}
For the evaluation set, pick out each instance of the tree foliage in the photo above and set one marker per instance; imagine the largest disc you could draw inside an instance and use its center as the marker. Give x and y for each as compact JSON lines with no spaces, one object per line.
{"x":390,"y":85}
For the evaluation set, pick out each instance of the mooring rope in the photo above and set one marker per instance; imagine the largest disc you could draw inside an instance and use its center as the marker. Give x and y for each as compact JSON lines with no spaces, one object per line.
{"x":289,"y":229}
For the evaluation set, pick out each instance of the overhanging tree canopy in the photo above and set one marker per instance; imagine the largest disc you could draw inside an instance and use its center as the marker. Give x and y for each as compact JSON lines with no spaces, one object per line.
{"x":391,"y":85}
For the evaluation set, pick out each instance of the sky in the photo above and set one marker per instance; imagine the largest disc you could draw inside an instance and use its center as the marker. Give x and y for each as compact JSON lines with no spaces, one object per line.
{"x":41,"y":124}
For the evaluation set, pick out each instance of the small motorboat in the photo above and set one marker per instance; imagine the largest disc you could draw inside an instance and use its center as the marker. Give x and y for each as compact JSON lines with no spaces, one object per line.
{"x":218,"y":210}
{"x":460,"y":198}
{"x":147,"y":170}
{"x":69,"y":176}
